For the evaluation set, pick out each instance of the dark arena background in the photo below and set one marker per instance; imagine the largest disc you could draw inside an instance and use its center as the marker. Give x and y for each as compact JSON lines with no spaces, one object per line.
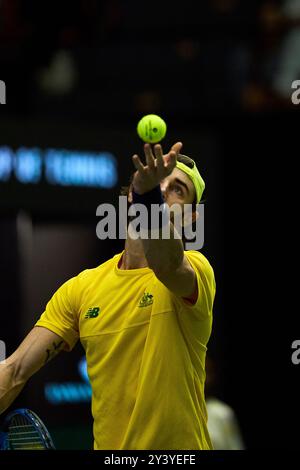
{"x":78,"y":77}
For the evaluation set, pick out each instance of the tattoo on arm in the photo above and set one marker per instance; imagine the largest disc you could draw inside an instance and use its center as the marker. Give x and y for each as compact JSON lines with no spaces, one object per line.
{"x":52,"y":352}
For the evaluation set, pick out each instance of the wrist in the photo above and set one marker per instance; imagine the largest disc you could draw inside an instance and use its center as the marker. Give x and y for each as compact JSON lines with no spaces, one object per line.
{"x":157,"y":211}
{"x":154,"y":196}
{"x":140,"y":191}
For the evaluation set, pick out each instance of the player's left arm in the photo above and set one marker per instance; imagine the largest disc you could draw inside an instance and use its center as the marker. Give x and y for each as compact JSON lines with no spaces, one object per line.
{"x":164,"y":256}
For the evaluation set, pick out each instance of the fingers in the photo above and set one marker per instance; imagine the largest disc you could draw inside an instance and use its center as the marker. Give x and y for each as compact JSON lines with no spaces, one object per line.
{"x":172,"y":160}
{"x":167,"y":162}
{"x":160,"y":164}
{"x":138,"y":164}
{"x":172,"y":155}
{"x":177,"y":147}
{"x":149,"y":156}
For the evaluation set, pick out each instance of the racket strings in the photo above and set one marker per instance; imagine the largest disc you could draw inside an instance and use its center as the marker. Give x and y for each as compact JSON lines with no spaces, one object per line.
{"x":23,"y":435}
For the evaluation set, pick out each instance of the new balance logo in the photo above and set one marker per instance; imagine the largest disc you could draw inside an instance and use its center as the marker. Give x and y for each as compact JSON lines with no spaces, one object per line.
{"x":146,"y":300}
{"x":92,"y":312}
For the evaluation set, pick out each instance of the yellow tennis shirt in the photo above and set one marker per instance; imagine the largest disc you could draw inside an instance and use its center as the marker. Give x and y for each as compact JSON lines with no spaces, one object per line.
{"x":145,"y":350}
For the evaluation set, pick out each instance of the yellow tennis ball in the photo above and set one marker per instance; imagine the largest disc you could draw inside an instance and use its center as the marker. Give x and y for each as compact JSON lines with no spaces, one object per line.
{"x":151,"y":128}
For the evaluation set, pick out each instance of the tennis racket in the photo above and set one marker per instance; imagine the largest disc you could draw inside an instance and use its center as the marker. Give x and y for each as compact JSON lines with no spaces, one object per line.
{"x":24,"y":430}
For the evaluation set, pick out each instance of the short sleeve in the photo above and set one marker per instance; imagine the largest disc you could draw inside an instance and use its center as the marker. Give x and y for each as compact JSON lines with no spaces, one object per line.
{"x":60,"y":315}
{"x":205,"y":282}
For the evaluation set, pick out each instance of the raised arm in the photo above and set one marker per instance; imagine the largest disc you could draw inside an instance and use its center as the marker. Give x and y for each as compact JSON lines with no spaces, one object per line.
{"x":164,"y":256}
{"x":38,"y":348}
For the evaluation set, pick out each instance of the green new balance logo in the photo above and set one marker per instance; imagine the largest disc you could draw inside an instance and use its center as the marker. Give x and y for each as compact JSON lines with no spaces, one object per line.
{"x":146,"y":300}
{"x":92,"y":312}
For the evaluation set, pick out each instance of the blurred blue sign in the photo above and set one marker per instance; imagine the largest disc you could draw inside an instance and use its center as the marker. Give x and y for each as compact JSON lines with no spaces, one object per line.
{"x":58,"y":393}
{"x":58,"y":167}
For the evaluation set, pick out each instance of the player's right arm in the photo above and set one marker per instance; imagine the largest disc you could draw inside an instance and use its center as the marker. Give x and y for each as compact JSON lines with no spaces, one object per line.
{"x":38,"y":348}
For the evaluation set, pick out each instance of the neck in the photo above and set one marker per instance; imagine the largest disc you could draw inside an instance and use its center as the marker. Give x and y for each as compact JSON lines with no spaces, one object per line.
{"x":133,"y":256}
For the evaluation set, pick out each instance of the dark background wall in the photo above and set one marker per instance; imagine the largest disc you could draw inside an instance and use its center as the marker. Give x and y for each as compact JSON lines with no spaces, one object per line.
{"x":79,"y":75}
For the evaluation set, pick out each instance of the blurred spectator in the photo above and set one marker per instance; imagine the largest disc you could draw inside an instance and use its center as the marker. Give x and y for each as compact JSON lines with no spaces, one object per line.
{"x":223,"y":425}
{"x":276,"y":57}
{"x":60,"y":76}
{"x":235,"y":55}
{"x":288,"y":68}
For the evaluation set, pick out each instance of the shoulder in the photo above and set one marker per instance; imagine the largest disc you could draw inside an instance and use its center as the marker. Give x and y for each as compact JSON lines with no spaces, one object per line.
{"x":89,"y":274}
{"x":89,"y":278}
{"x":197,"y":256}
{"x":200,"y":263}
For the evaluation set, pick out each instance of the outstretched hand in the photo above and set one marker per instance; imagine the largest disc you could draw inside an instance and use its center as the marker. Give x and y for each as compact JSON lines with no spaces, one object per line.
{"x":158,"y":167}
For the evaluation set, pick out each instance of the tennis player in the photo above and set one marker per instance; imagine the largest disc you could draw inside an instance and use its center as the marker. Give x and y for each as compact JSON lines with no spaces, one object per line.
{"x":144,"y":318}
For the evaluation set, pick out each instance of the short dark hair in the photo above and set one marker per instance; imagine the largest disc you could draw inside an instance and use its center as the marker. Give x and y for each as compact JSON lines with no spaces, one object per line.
{"x":186,"y":160}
